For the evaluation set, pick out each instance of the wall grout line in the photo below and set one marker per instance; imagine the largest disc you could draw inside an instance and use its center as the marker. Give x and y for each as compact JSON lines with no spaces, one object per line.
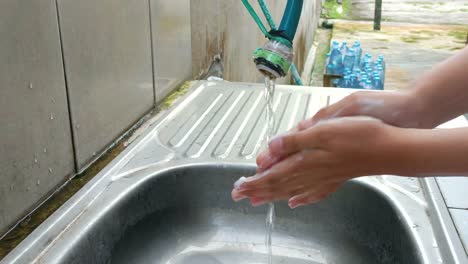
{"x":153,"y":70}
{"x":70,"y":115}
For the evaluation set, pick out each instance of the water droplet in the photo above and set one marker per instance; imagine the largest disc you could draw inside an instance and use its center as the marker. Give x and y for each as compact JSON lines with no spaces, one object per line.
{"x":29,"y":188}
{"x":94,"y":153}
{"x":35,"y":159}
{"x":45,"y":150}
{"x":50,"y":170}
{"x":52,"y":116}
{"x":38,"y":182}
{"x":52,"y":100}
{"x":30,"y":85}
{"x":11,"y":187}
{"x":77,"y":126}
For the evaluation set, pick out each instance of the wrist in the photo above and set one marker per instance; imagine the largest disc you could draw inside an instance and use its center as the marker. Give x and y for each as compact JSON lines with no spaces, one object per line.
{"x":397,"y":152}
{"x":416,"y":110}
{"x":425,"y":152}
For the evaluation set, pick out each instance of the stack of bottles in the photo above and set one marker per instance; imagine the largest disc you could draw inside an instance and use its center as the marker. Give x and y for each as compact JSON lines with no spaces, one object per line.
{"x":357,"y":71}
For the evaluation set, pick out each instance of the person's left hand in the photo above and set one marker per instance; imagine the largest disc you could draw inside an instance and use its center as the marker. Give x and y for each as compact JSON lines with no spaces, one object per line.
{"x":310,"y":164}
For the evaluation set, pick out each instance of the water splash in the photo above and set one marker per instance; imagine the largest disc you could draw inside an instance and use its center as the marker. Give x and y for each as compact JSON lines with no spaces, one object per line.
{"x":270,"y":119}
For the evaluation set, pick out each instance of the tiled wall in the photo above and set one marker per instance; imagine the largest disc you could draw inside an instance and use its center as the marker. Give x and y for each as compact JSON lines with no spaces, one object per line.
{"x":75,"y":75}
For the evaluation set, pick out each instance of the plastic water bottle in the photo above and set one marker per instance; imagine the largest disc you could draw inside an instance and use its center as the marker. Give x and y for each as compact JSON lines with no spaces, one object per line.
{"x":349,"y":59}
{"x":353,"y":82}
{"x":382,"y":61}
{"x":377,"y":84}
{"x":363,"y":76}
{"x":344,"y":82}
{"x":335,"y":44}
{"x":362,"y":82}
{"x":375,"y":75}
{"x":368,"y":70}
{"x":358,"y":53}
{"x":346,"y":71}
{"x":331,"y":69}
{"x":381,"y":73}
{"x":335,"y":59}
{"x":364,"y":60}
{"x":368,"y":85}
{"x":344,"y":48}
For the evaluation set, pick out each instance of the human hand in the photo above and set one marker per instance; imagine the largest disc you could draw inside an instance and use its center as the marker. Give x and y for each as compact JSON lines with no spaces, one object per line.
{"x":316,"y":161}
{"x":399,"y":109}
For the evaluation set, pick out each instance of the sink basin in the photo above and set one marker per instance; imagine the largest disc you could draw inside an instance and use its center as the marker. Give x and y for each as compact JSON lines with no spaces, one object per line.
{"x":186,"y":215}
{"x":166,"y":198}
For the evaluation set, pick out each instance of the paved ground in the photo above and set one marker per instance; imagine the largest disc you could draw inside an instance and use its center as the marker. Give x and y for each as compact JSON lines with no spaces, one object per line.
{"x":409,"y":49}
{"x":323,"y":37}
{"x":414,"y":11}
{"x":415,"y":35}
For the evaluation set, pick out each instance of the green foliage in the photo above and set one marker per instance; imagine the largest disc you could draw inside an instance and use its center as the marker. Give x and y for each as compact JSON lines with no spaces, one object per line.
{"x":331,"y":8}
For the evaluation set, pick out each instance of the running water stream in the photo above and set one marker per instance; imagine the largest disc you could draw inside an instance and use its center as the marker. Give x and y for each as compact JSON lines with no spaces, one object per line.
{"x":270,"y":122}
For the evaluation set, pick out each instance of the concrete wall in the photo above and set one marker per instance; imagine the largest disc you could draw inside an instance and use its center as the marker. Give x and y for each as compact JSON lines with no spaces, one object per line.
{"x":75,"y":75}
{"x":225,"y":27}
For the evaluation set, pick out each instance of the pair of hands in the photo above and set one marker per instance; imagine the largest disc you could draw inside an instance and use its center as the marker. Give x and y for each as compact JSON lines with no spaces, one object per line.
{"x":343,"y":141}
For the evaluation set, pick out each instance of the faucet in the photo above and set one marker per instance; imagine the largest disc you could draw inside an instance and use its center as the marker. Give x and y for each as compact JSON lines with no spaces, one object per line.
{"x":275,"y":58}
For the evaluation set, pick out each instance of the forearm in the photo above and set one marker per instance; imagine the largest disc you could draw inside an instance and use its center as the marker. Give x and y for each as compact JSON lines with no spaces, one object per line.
{"x":421,"y":152}
{"x":442,"y":93}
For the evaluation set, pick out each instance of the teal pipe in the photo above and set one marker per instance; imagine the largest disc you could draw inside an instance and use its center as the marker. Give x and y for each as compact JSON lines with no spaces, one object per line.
{"x":256,"y":18}
{"x":296,"y":76}
{"x":290,"y":21}
{"x":267,"y":14}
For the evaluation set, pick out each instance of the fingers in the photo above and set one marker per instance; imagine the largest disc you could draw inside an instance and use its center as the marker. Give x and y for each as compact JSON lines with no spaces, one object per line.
{"x":349,"y":106}
{"x":291,"y":142}
{"x":281,"y":191}
{"x":313,"y":196}
{"x":286,"y":145}
{"x":265,"y":160}
{"x":291,"y":165}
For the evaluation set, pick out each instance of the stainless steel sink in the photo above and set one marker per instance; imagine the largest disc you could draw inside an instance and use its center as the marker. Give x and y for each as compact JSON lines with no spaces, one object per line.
{"x":166,"y":199}
{"x":186,"y":215}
